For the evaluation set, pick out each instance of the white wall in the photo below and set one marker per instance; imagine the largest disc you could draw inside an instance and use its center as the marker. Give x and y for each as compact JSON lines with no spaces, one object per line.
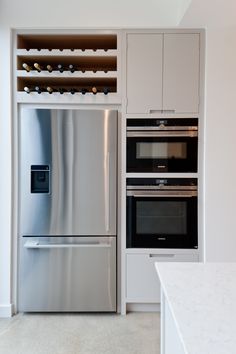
{"x":220,"y":124}
{"x":5,"y":179}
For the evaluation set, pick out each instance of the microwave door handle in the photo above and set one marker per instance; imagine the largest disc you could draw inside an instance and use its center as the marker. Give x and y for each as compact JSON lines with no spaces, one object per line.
{"x":160,"y":133}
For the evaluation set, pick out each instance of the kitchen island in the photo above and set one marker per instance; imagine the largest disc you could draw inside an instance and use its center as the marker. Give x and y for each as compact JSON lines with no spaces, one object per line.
{"x":198,"y":308}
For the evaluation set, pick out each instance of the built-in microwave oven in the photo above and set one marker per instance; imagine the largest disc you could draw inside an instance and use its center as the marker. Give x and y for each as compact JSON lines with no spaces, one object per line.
{"x":162,"y":145}
{"x":162,"y":213}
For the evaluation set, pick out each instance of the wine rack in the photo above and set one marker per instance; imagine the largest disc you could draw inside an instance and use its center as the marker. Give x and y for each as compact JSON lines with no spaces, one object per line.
{"x":80,"y":67}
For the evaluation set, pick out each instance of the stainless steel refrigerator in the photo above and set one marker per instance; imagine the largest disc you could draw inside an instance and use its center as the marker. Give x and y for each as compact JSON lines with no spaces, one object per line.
{"x":67,"y":210}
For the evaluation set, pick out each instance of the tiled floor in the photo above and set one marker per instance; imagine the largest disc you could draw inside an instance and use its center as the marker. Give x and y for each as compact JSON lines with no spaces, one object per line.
{"x":136,"y":333}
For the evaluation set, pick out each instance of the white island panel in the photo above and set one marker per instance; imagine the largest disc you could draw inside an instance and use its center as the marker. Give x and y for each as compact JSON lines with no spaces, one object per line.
{"x":201,"y":299}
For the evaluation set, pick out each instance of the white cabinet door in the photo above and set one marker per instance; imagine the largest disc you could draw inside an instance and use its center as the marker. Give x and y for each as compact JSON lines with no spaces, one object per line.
{"x":144,"y":73}
{"x":181,"y":72}
{"x":142,"y":283}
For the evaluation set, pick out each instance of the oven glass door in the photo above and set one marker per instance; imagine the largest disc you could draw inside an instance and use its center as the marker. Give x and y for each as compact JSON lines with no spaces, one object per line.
{"x":162,"y":154}
{"x":162,"y":222}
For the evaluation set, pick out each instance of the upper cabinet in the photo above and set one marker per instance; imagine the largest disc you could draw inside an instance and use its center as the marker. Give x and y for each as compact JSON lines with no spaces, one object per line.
{"x":144,"y":73}
{"x":181,"y":73}
{"x":162,"y":73}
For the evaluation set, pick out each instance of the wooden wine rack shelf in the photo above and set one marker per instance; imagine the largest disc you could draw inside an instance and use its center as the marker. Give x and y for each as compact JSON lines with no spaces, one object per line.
{"x":81,"y":61}
{"x":71,"y":41}
{"x":94,"y":62}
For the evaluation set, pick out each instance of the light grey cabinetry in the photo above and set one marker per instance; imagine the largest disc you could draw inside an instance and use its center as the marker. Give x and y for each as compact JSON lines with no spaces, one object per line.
{"x":142,"y":285}
{"x":144,"y":72}
{"x":181,"y":73}
{"x":162,"y":73}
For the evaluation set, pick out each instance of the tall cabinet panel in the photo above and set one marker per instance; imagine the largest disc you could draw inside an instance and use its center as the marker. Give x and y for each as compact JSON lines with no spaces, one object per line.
{"x":181,"y":72}
{"x":144,"y":73}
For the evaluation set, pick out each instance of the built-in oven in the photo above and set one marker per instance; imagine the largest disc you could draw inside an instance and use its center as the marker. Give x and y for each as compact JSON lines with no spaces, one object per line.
{"x":162,"y":145}
{"x":162,"y":213}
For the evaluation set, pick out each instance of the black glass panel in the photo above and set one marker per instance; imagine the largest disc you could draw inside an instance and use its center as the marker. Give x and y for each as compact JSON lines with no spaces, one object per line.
{"x":152,"y":150}
{"x":40,"y":179}
{"x":169,"y":218}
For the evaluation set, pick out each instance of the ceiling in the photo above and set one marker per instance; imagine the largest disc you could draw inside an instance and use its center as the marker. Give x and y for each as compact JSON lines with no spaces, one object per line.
{"x":93,"y":13}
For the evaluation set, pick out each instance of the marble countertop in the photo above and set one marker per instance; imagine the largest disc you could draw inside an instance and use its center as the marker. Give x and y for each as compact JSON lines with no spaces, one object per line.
{"x":202,"y":299}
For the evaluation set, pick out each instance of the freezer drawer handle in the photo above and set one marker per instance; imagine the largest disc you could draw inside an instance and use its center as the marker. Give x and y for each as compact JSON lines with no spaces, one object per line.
{"x":36,"y":244}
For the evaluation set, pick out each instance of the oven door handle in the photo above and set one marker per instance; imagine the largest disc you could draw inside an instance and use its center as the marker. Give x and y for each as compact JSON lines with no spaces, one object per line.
{"x":148,"y":134}
{"x":175,"y":194}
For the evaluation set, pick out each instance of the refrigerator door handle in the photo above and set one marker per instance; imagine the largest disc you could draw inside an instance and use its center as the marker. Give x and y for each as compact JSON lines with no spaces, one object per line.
{"x":107,"y":192}
{"x":36,"y":245}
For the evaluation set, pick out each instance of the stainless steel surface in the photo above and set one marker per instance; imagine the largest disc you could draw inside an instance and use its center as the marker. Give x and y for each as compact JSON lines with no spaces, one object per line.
{"x":107,"y":192}
{"x":80,"y":148}
{"x":160,"y":193}
{"x":66,"y":276}
{"x":160,"y":133}
{"x":162,"y":127}
{"x":161,"y":186}
{"x":67,"y":262}
{"x":38,"y":244}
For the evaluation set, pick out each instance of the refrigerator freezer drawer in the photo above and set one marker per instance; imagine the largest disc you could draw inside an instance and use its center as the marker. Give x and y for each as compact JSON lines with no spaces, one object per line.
{"x":68,"y":274}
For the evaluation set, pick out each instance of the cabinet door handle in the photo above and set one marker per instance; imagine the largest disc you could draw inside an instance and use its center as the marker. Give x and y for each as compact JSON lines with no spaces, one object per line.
{"x":155,"y":110}
{"x":161,"y":255}
{"x":168,"y":111}
{"x":161,"y":111}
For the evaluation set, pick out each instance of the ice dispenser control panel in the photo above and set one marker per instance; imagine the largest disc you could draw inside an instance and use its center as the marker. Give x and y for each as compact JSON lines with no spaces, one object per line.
{"x":40,"y":178}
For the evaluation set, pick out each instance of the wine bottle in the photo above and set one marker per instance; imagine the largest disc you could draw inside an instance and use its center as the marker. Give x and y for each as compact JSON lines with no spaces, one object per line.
{"x":106,"y":90}
{"x":37,"y":67}
{"x":50,"y":89}
{"x":49,"y":68}
{"x":27,"y":89}
{"x":38,"y":89}
{"x":71,"y":68}
{"x":83,"y":91}
{"x":60,"y":68}
{"x":26,"y":67}
{"x":61,"y":90}
{"x":73,"y":91}
{"x":94,"y":90}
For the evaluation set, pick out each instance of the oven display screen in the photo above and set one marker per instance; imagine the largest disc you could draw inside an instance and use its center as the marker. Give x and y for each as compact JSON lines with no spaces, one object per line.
{"x":161,"y":150}
{"x":161,"y":217}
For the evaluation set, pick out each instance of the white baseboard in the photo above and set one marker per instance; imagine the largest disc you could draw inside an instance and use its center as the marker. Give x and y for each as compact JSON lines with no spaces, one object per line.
{"x":6,"y":310}
{"x":136,"y":307}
